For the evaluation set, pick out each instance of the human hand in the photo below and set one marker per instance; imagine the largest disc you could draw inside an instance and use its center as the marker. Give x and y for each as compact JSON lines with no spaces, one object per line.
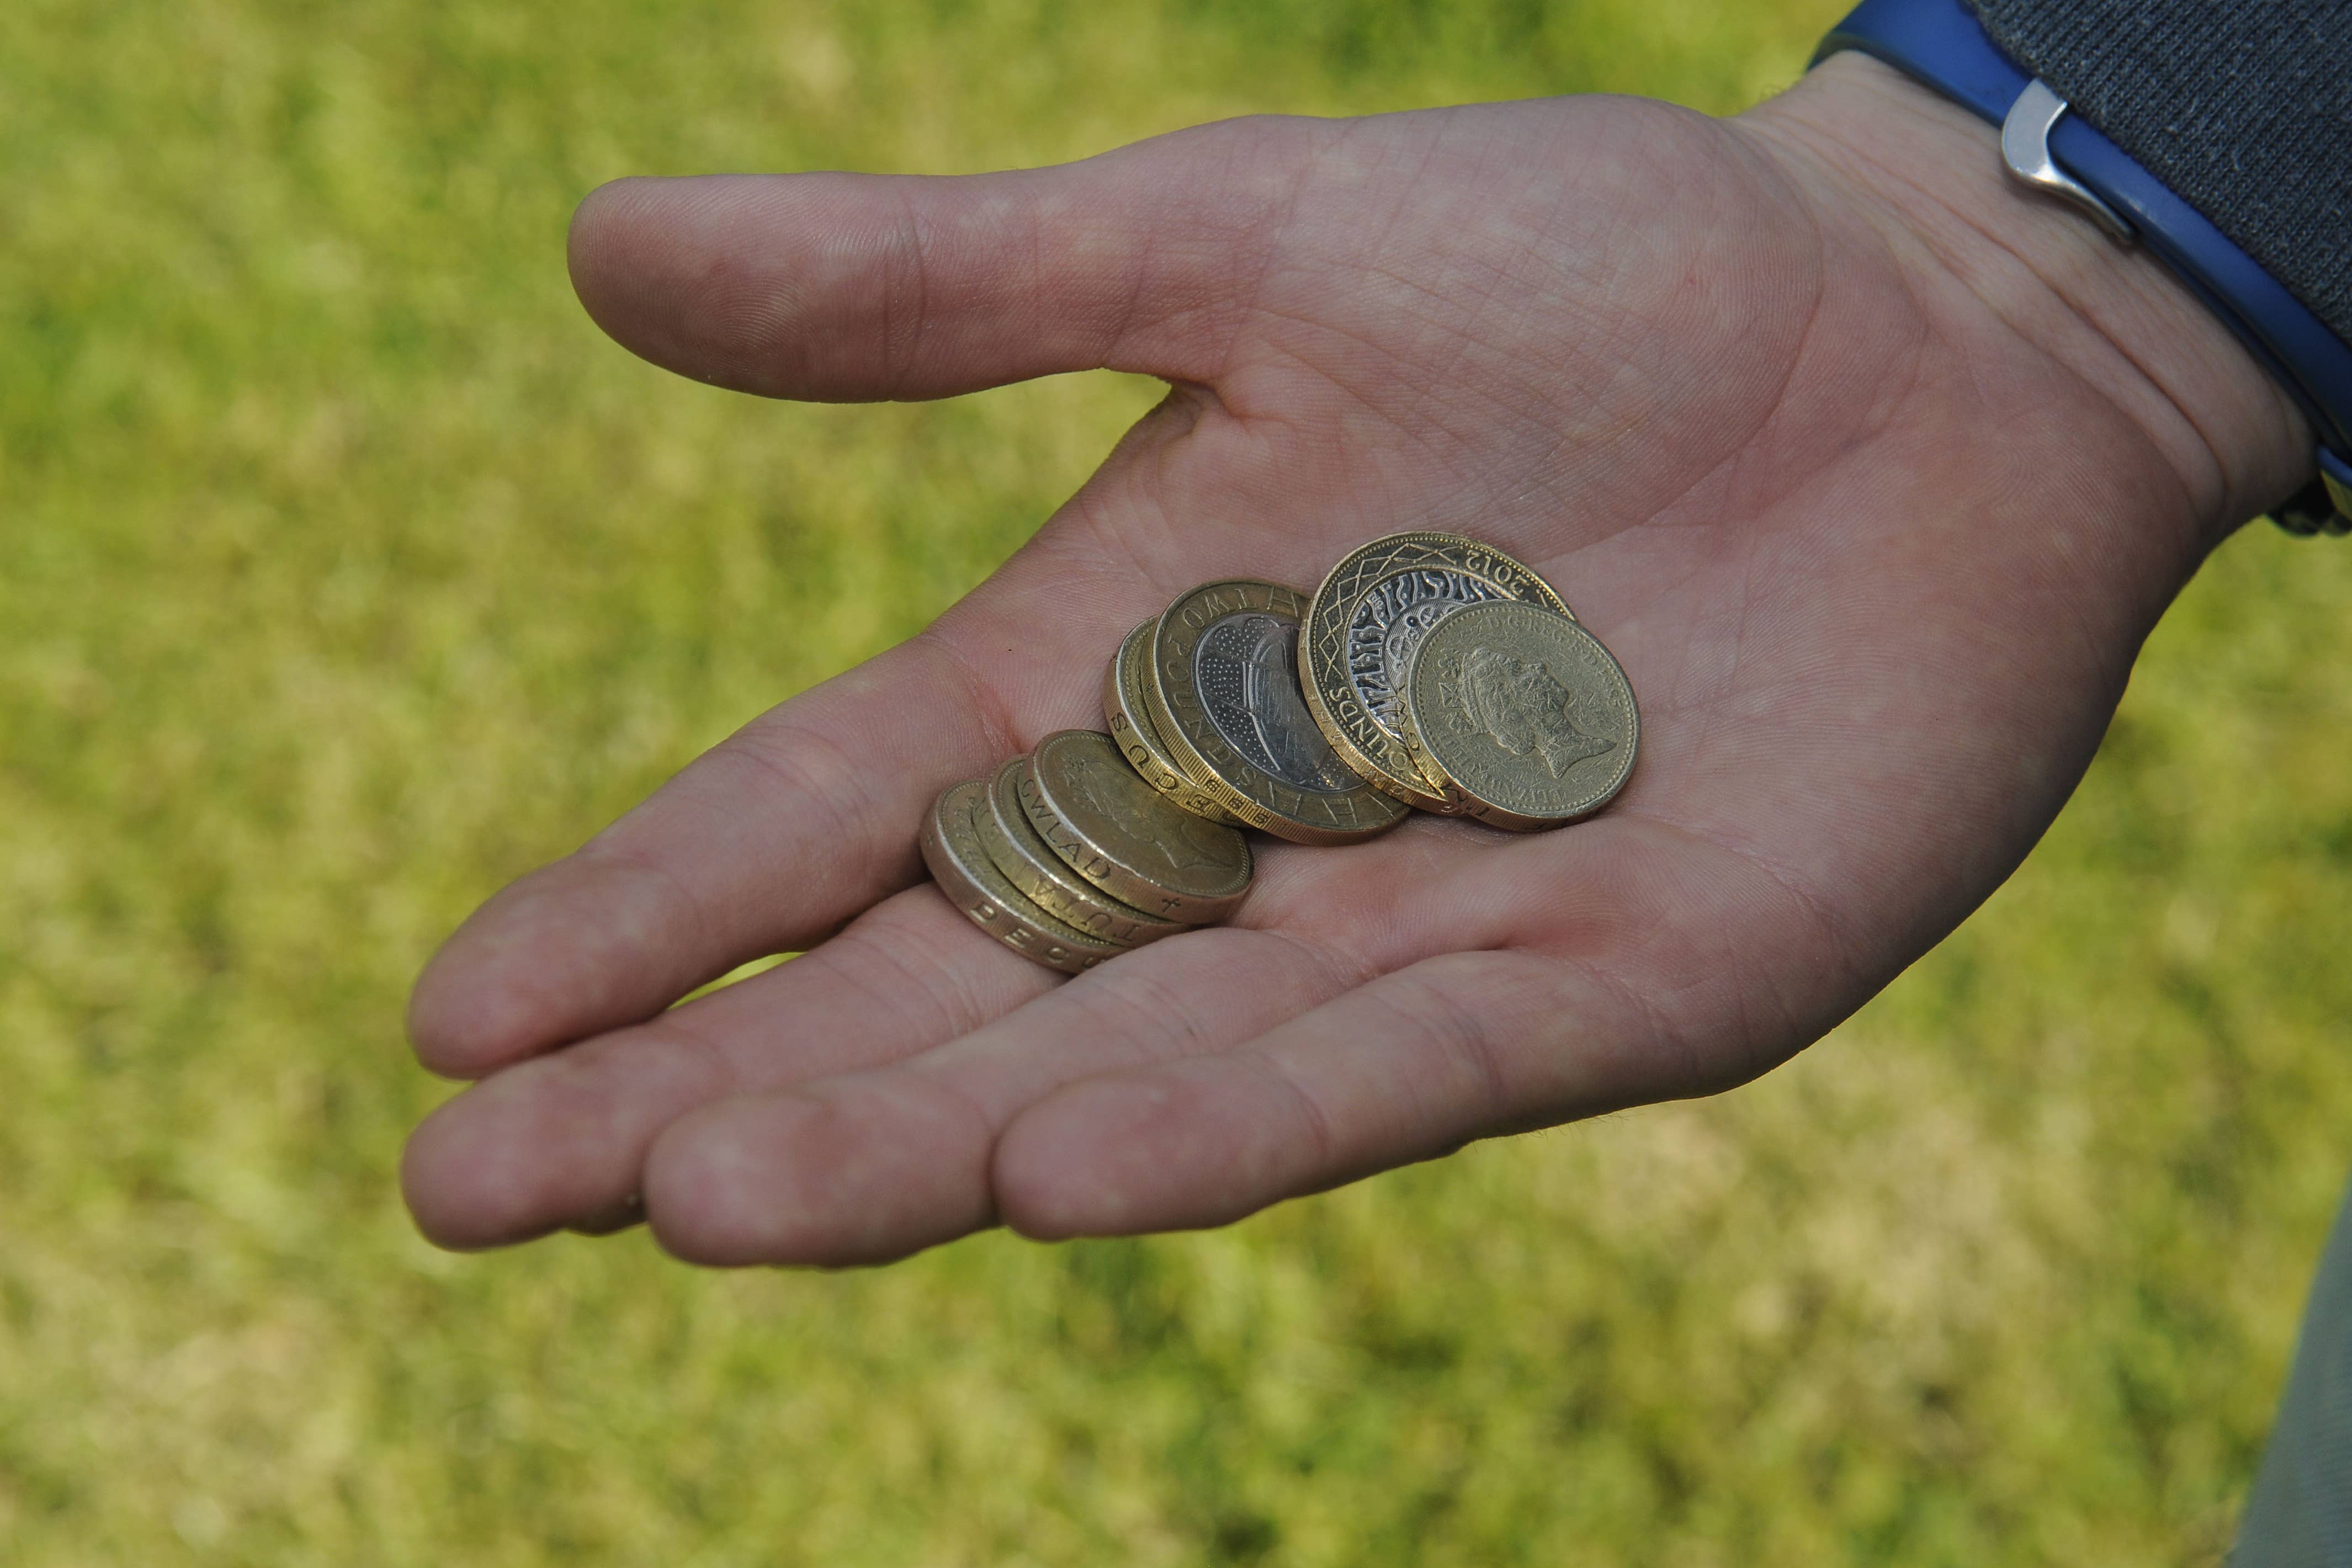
{"x":1872,"y":471}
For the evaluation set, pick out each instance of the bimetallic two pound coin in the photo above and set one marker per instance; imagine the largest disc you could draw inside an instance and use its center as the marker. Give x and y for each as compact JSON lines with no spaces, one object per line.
{"x":1031,"y":865}
{"x":1126,"y":838}
{"x":1361,"y":627}
{"x":960,"y":864}
{"x":1137,"y":737}
{"x":1223,"y":693}
{"x":1529,"y":719}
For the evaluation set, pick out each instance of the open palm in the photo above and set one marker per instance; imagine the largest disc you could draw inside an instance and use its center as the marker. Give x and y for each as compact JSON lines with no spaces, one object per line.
{"x":1873,"y":506}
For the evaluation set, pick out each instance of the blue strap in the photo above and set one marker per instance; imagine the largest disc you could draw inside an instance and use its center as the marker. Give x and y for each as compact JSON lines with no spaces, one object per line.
{"x":1940,"y":44}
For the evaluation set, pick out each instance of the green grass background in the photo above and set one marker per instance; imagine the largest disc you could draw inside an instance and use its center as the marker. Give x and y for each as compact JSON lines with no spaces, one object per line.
{"x":346,"y":572}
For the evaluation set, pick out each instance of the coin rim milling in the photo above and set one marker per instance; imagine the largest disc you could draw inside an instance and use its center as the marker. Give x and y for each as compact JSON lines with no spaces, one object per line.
{"x":983,"y":894}
{"x":1046,"y":880}
{"x":1387,"y":761}
{"x":1463,"y":623}
{"x":1124,"y":710}
{"x":1172,"y":702}
{"x":1044,"y":799}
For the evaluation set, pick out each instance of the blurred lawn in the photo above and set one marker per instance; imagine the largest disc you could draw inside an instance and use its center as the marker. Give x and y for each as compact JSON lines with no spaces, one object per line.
{"x":346,"y":572}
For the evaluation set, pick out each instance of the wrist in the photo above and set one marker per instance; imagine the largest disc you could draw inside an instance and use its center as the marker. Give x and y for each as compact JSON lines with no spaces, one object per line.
{"x":1864,"y":141}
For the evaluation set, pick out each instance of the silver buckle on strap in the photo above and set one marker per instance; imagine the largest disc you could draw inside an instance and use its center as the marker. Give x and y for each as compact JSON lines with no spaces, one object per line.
{"x":2025,"y":148}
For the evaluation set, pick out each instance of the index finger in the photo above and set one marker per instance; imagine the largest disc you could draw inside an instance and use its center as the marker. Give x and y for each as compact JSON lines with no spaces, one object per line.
{"x":794,"y":824}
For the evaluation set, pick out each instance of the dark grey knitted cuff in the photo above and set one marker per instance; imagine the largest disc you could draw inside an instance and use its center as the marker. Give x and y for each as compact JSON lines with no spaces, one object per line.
{"x":2243,"y":108}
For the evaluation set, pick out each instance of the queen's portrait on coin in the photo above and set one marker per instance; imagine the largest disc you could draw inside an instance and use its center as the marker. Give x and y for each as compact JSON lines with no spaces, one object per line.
{"x":1183,"y":841}
{"x":1517,"y":704}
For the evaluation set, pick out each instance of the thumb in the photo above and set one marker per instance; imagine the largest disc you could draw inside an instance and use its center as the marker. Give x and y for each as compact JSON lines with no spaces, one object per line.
{"x":850,"y":288}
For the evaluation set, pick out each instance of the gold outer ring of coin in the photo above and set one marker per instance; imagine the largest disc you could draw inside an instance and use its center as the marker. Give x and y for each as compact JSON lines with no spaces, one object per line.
{"x":1126,"y":838}
{"x":952,"y":848}
{"x":1332,"y":696}
{"x":1172,"y":702}
{"x":1138,"y":739}
{"x":1512,"y":750}
{"x":1029,"y":862}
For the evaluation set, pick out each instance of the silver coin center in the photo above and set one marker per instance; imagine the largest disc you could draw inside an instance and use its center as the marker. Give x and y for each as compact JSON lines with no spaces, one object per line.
{"x":1245,"y":667}
{"x":1389,"y":620}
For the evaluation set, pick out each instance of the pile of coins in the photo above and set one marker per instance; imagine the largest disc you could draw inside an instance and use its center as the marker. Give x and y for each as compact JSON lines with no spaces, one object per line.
{"x":1428,"y":671}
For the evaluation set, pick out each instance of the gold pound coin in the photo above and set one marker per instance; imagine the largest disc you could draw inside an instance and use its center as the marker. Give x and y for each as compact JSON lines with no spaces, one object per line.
{"x":1125,"y":837}
{"x":952,"y":848}
{"x":1361,"y":627}
{"x":1223,"y":693}
{"x":1523,"y":713}
{"x":1138,"y":739}
{"x":1031,"y":865}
